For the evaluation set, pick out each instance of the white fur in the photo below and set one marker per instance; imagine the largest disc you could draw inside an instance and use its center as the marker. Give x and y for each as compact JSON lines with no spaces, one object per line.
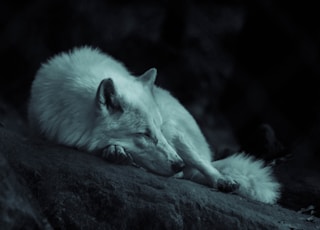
{"x":63,"y":108}
{"x":255,"y":179}
{"x":62,"y":99}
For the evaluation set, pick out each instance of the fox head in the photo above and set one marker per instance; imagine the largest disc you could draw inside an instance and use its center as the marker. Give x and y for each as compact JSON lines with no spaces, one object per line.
{"x":127,"y":115}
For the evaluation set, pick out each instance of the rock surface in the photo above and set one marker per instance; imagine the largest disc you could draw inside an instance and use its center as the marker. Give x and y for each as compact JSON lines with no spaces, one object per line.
{"x":18,"y":208}
{"x":76,"y":190}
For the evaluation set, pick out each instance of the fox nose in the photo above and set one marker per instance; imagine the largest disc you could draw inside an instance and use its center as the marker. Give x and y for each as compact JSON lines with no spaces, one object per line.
{"x":177,"y":166}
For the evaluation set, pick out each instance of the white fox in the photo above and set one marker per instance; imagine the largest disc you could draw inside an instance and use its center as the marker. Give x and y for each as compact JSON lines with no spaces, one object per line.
{"x":87,"y":99}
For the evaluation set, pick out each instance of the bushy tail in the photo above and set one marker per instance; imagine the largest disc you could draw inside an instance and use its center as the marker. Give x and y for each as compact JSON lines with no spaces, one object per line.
{"x":255,"y":179}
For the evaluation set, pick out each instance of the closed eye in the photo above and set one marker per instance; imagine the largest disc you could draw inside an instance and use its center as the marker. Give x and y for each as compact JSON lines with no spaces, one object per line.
{"x":147,"y":134}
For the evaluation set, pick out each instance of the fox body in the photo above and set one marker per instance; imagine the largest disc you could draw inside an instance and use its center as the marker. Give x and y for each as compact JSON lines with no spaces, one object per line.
{"x":89,"y":100}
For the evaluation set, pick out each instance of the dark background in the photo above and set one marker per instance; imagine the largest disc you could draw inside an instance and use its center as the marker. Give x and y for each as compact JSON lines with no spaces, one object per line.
{"x":247,"y":70}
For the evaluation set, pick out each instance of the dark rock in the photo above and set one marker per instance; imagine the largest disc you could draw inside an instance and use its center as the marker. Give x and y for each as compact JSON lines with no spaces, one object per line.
{"x":81,"y":191}
{"x":18,"y":209}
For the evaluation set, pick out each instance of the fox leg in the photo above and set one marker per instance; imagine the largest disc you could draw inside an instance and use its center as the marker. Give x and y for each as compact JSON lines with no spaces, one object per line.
{"x":201,"y":170}
{"x":116,"y":154}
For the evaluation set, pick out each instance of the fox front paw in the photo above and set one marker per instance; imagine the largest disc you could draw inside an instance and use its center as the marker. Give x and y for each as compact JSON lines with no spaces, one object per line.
{"x":116,"y":154}
{"x":227,"y":185}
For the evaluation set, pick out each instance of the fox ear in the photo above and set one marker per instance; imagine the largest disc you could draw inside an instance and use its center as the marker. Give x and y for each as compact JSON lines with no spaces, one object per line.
{"x":107,"y":97}
{"x":149,"y":77}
